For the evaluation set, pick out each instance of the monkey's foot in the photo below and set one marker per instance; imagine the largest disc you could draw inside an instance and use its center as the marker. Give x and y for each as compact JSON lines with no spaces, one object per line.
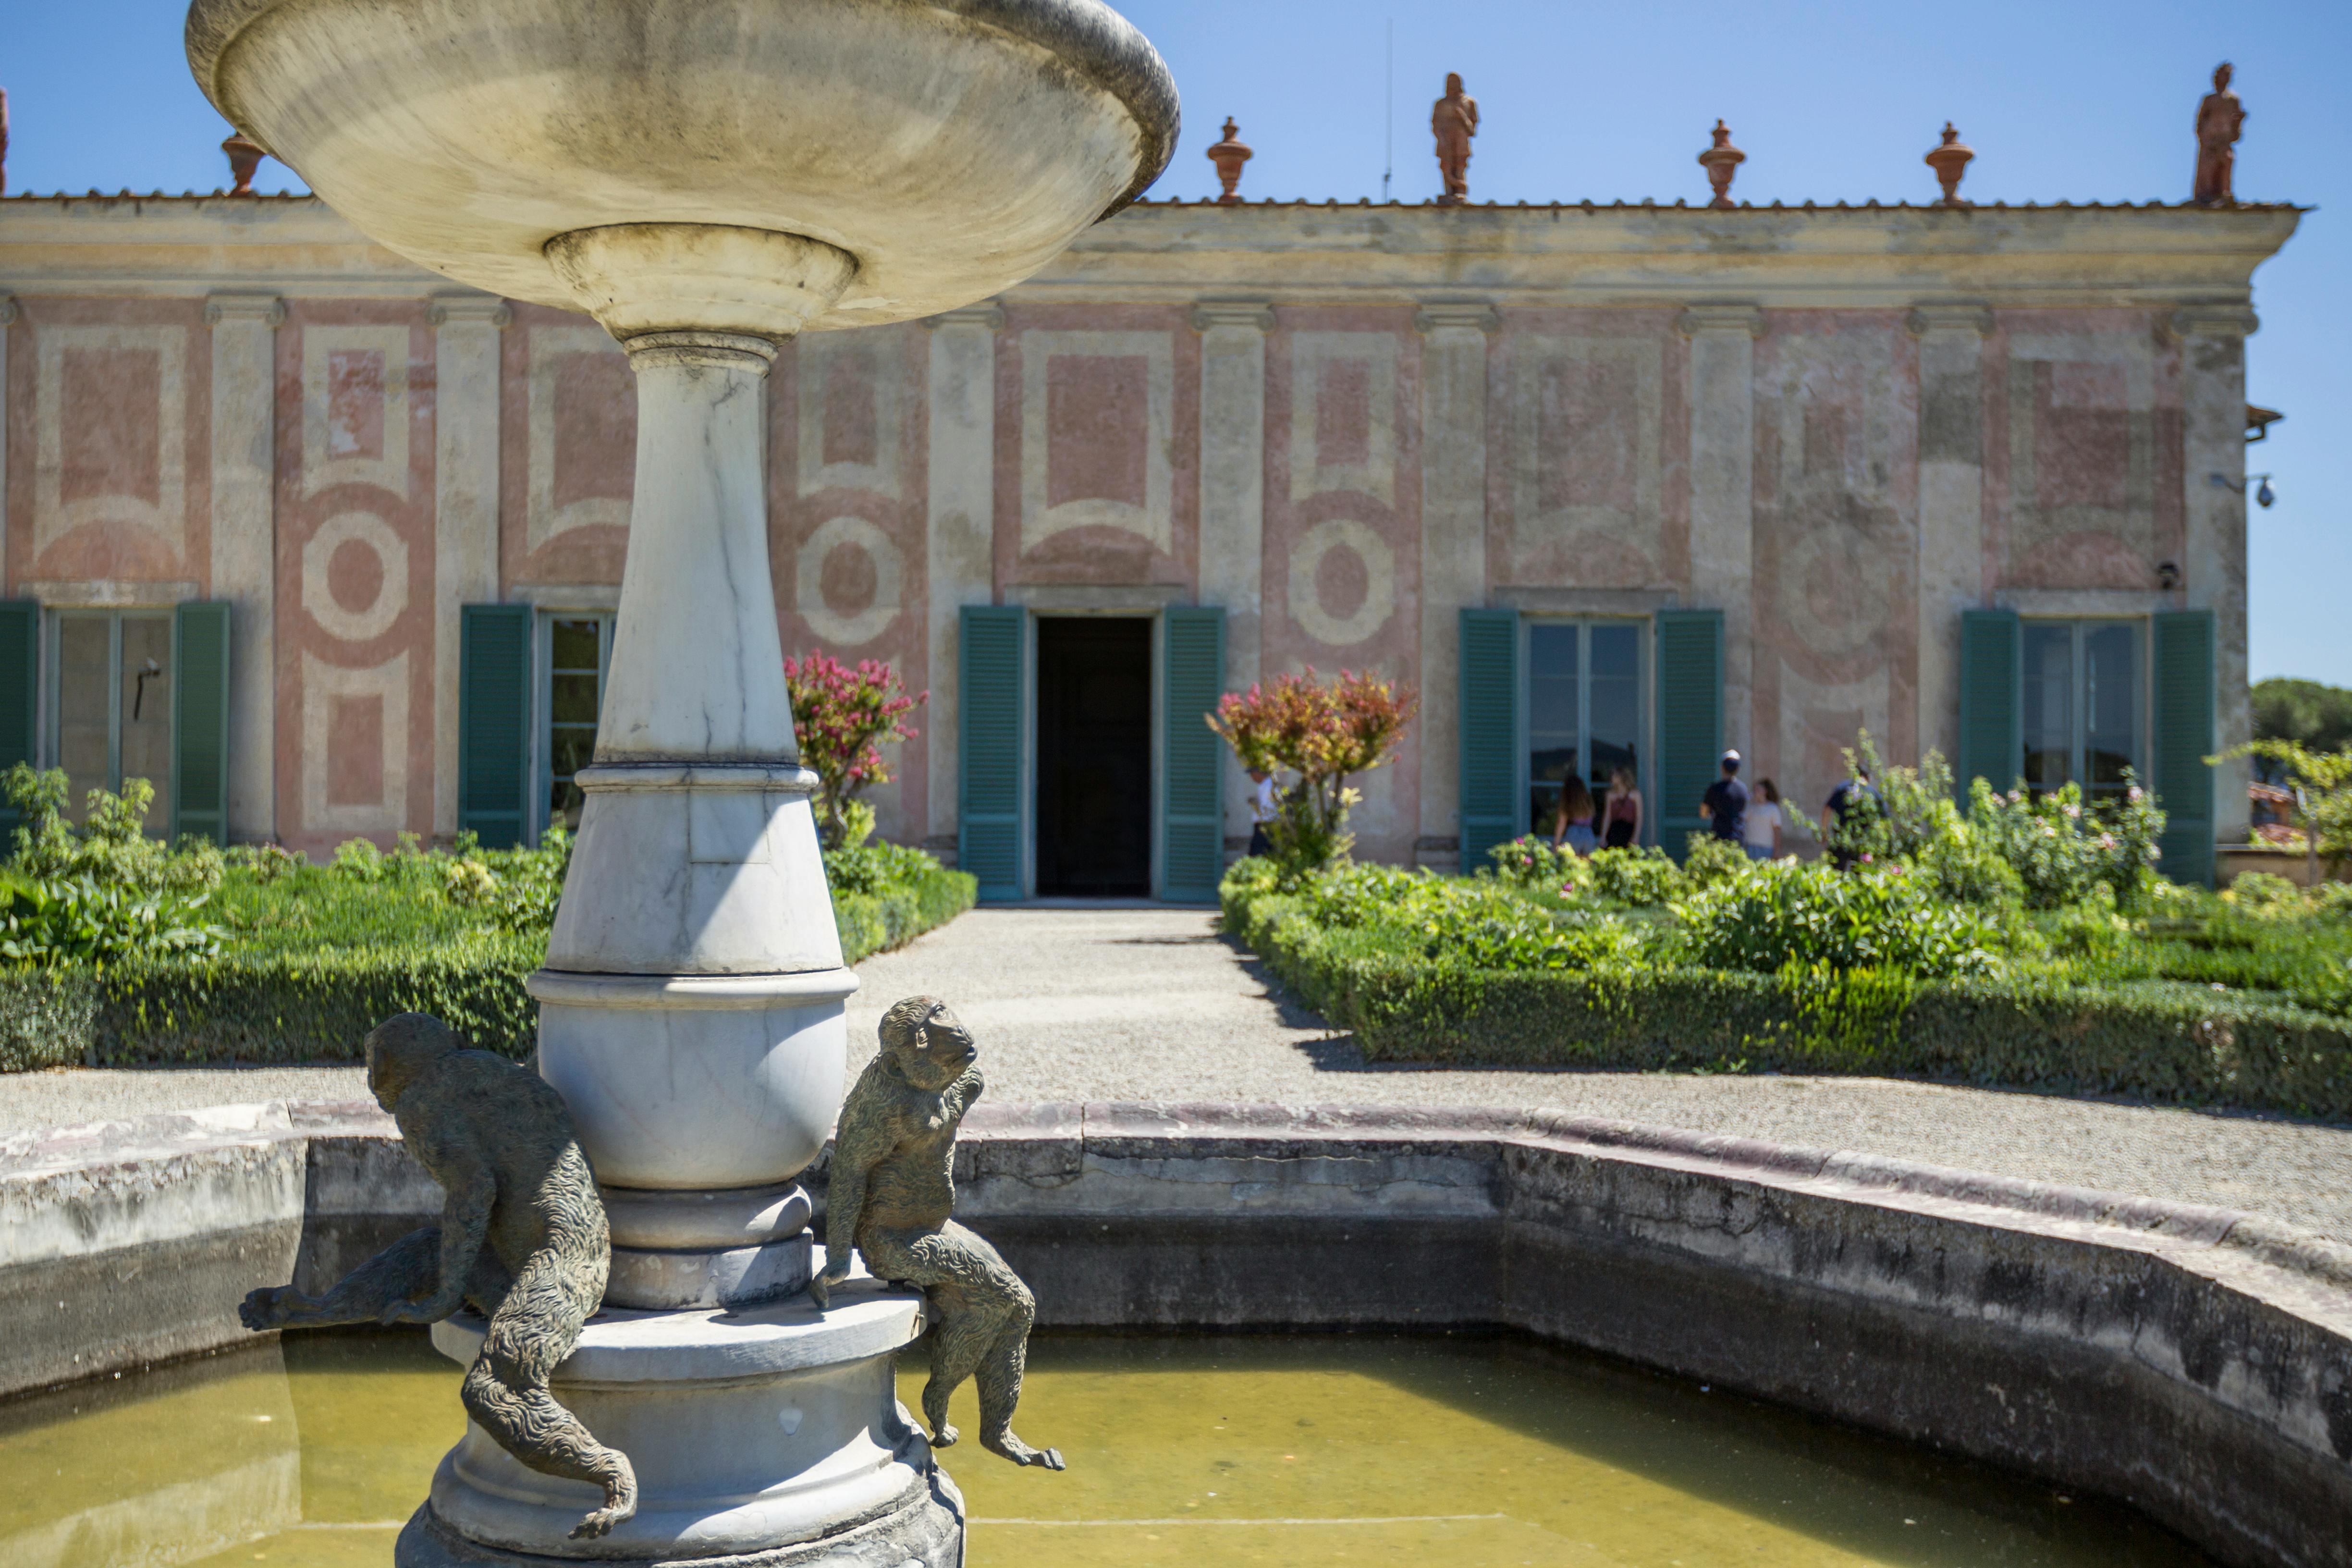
{"x":1021,"y":1452}
{"x":620,"y":1503}
{"x":271,"y":1307}
{"x":945,"y":1437}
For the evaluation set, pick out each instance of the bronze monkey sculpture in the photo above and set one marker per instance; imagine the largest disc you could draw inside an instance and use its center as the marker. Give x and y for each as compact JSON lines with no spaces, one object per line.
{"x":523,"y":1237}
{"x":892,"y":1186}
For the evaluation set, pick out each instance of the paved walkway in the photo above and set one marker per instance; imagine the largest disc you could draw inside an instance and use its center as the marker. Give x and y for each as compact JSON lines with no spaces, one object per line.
{"x":1151,"y":1004}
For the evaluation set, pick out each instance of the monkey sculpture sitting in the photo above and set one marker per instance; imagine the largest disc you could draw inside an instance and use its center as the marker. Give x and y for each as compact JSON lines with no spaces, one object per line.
{"x":522,"y":1237}
{"x":891,"y":1189}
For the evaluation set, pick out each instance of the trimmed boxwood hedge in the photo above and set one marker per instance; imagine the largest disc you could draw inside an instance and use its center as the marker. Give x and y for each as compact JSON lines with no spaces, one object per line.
{"x":317,"y":1007}
{"x":2161,"y":1041}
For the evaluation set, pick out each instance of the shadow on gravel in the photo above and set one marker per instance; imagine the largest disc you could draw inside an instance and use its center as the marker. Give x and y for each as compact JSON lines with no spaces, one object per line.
{"x":1333,"y":1052}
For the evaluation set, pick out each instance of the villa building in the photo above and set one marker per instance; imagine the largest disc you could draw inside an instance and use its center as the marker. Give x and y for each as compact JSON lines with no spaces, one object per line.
{"x":328,"y":546}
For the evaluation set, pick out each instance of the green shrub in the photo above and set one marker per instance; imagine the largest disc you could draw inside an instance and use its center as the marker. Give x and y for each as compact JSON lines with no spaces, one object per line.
{"x":1708,"y":860}
{"x":1635,"y":876}
{"x":1814,"y":916}
{"x":1532,"y":862}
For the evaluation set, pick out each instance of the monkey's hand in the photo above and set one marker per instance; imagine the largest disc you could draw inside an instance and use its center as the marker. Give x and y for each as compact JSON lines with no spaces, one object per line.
{"x":837,"y":1272}
{"x":269,"y":1307}
{"x":424,"y":1309}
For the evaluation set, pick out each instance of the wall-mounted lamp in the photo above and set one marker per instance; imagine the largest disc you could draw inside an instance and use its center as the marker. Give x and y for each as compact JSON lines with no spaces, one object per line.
{"x":2167,"y":575}
{"x":2263,"y":495}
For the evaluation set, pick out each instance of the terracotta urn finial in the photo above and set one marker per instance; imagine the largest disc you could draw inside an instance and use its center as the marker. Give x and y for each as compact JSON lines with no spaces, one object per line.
{"x":1229,"y":155}
{"x":245,"y":156}
{"x":1721,"y":162}
{"x":1950,"y":161}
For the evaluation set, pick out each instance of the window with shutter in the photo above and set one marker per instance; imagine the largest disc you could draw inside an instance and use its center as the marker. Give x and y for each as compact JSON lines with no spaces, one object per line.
{"x":1690,"y":720}
{"x":988,"y":772}
{"x":2184,"y":738}
{"x":1992,"y":742}
{"x":1193,"y":841}
{"x":20,"y":663}
{"x":494,"y":722}
{"x":199,"y":676}
{"x":1489,"y":718}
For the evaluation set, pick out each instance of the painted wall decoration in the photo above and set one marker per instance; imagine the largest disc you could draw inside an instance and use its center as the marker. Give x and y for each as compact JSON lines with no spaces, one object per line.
{"x":113,"y":421}
{"x":1097,"y":442}
{"x":2084,"y":451}
{"x":845,"y":521}
{"x":1342,"y":551}
{"x":1590,"y":435}
{"x":1836,"y":544}
{"x":570,"y":453}
{"x":355,"y":573}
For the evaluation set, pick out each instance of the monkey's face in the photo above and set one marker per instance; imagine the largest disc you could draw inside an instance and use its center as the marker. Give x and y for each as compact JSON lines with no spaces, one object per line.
{"x":934,"y":1055}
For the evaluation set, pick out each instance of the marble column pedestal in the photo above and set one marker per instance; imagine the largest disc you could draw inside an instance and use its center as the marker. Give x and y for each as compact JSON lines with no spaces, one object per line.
{"x":764,"y":1437}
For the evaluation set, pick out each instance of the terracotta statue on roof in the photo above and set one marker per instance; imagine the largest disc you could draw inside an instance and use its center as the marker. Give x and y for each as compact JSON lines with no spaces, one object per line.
{"x":2221,"y":118}
{"x":1454,"y":120}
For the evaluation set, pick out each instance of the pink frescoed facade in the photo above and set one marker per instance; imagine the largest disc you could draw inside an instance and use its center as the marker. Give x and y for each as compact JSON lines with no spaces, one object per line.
{"x":1854,"y":439}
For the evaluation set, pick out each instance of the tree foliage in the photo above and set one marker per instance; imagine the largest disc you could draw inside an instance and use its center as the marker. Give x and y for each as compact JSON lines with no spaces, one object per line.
{"x":1325,"y":732}
{"x":843,"y":715}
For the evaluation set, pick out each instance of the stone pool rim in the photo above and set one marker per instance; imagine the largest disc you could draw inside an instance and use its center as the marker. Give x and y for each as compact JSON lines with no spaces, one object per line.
{"x":2194,"y":1361}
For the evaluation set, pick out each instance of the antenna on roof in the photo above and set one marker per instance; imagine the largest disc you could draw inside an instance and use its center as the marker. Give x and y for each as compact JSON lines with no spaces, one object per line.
{"x":1388,"y":116}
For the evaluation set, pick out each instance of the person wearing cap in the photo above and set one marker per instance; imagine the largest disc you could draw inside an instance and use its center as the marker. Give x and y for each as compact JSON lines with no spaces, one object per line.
{"x":1725,"y":805}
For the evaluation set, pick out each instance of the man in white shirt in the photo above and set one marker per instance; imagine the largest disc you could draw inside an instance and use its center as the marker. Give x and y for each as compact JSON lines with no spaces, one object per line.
{"x":1262,"y":811}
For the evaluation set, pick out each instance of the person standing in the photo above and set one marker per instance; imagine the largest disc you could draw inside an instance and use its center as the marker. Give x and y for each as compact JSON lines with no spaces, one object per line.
{"x":1762,"y":827}
{"x":1573,"y":827}
{"x":1620,"y":811}
{"x":1262,"y":810}
{"x":1852,"y":807}
{"x":1725,"y":805}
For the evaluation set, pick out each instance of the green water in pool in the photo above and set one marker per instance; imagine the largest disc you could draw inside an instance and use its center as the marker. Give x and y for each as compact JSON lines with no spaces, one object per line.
{"x":1202,"y":1451}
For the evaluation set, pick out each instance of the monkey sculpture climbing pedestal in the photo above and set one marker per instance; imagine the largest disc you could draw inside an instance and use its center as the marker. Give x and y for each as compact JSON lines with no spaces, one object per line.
{"x":892,"y":1190}
{"x":521,"y":1240}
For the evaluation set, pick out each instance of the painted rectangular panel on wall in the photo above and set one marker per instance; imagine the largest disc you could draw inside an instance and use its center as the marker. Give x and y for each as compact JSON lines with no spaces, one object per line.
{"x":988,"y":808}
{"x":1192,"y":852}
{"x":2084,"y":456}
{"x":20,"y":669}
{"x":1992,"y":740}
{"x":1490,"y":733}
{"x":200,"y":721}
{"x":119,"y":464}
{"x":2184,"y":738}
{"x":1586,"y":484}
{"x":1690,"y":720}
{"x":493,"y":722}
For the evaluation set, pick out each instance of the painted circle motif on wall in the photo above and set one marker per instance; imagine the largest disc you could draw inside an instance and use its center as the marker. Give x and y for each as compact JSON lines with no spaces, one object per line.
{"x":355,"y":577}
{"x":1342,"y":582}
{"x":848,"y":579}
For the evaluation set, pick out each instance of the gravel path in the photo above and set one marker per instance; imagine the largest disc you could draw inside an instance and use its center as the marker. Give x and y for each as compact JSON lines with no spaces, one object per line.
{"x":1151,"y":1004}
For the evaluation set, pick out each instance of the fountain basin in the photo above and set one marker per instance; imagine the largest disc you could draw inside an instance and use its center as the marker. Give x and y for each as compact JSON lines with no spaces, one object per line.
{"x":949,"y":147}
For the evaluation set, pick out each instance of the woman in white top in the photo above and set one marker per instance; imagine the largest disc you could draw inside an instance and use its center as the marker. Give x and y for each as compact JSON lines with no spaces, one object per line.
{"x":1761,"y":826}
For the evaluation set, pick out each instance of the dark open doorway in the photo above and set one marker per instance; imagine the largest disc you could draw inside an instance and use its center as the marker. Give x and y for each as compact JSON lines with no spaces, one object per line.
{"x":1094,"y":757}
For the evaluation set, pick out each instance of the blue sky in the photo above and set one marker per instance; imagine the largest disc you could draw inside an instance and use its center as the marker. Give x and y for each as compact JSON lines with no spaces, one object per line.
{"x":2061,"y":100}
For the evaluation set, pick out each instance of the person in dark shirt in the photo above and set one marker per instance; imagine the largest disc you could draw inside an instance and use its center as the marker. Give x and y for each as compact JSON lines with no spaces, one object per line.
{"x":1725,"y":805}
{"x":1852,"y":807}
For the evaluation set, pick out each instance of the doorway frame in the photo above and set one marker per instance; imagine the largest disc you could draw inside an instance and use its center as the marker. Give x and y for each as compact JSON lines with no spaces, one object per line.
{"x":1029,"y":780}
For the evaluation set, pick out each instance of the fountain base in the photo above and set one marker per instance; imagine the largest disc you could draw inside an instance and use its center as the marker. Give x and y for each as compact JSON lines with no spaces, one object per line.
{"x":769,"y":1435}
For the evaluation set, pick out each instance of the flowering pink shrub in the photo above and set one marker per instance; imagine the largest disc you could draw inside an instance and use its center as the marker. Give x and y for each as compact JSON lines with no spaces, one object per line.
{"x":1322,"y":732}
{"x":842,"y":716}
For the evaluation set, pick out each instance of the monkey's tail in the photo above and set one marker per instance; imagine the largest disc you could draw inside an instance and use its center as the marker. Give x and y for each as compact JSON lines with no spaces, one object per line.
{"x":527,"y":1423}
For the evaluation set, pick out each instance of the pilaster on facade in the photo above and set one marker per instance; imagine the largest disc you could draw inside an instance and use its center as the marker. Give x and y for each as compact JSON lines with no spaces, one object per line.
{"x":1723,"y":483}
{"x":1952,"y":576}
{"x":7,"y":320}
{"x":467,"y":367}
{"x":243,"y":568}
{"x":2213,"y":405}
{"x":1232,"y":496}
{"x":960,"y":528}
{"x":1452,"y":536}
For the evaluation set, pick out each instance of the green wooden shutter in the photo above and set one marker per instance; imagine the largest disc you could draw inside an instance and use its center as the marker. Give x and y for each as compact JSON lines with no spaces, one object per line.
{"x":1489,"y":715}
{"x":20,"y":701}
{"x":1193,"y":759}
{"x":988,"y":744}
{"x":200,"y":721}
{"x":494,"y":722}
{"x":1690,"y":720}
{"x":1992,"y":734}
{"x":2184,"y":738}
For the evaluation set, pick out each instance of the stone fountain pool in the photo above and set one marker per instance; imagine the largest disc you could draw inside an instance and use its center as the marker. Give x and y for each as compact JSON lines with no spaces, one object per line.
{"x":1209,"y":1451}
